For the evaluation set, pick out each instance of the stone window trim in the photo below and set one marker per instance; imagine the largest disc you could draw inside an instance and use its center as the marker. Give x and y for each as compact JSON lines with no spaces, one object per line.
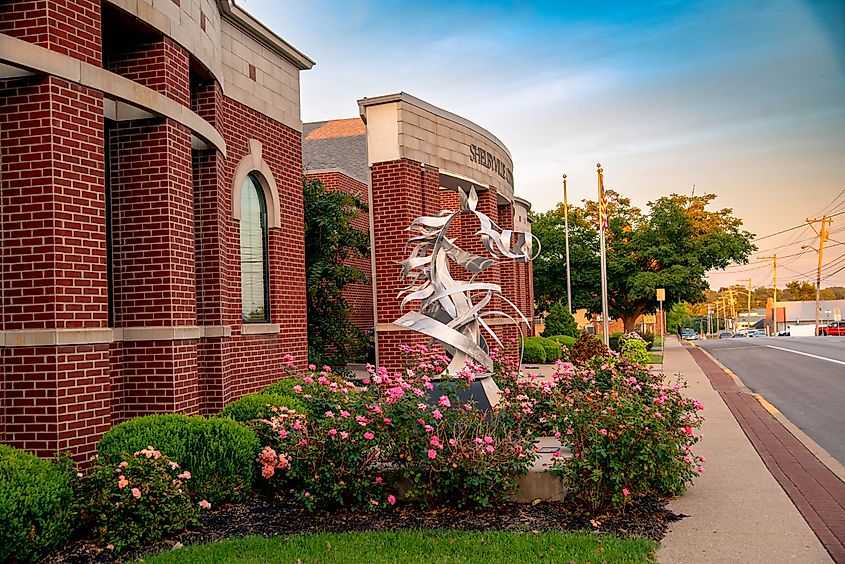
{"x":254,"y":164}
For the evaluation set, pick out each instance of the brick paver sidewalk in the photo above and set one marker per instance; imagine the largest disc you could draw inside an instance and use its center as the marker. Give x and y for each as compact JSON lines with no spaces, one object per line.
{"x":816,"y":491}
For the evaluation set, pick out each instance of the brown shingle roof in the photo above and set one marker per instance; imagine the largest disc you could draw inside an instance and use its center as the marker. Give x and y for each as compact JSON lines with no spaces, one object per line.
{"x":352,"y":127}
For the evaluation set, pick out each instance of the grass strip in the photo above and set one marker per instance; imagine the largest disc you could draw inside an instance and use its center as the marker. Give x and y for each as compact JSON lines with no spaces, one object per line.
{"x":413,"y":547}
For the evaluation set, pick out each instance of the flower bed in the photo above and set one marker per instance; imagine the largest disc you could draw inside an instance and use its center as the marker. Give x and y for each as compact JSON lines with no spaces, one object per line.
{"x":391,"y":452}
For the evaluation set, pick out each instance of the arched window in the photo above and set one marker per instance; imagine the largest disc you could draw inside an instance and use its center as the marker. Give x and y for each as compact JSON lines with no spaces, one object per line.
{"x":255,"y":272}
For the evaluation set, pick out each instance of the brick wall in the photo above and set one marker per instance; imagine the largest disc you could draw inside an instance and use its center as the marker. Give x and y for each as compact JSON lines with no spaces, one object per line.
{"x":230,"y":367}
{"x":358,"y":296}
{"x":402,"y":191}
{"x":70,"y":27}
{"x":53,"y":267}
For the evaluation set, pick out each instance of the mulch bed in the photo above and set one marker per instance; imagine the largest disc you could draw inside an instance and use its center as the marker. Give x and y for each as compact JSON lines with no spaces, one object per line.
{"x":646,"y":517}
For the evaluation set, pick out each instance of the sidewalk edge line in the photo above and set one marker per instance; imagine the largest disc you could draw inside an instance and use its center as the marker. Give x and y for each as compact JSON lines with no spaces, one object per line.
{"x":815,"y":449}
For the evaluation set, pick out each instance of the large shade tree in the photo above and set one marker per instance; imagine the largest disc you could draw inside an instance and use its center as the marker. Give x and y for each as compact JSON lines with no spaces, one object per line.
{"x":671,"y":246}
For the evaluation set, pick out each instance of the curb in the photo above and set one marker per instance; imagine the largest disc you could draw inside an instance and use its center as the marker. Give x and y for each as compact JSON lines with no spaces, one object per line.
{"x":820,"y":453}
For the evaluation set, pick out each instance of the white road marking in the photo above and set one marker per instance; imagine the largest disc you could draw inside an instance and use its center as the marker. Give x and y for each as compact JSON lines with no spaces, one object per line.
{"x":808,"y":354}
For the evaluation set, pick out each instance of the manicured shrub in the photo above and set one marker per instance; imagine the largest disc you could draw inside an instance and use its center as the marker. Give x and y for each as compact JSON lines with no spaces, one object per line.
{"x":586,"y":348}
{"x":560,"y":322}
{"x":533,"y":351}
{"x":219,"y":452}
{"x":259,"y":406}
{"x":554,"y":351}
{"x":615,"y":341}
{"x":136,"y":499}
{"x":634,"y":349}
{"x":283,"y":387}
{"x":36,"y":510}
{"x":649,"y":338}
{"x":564,"y":340}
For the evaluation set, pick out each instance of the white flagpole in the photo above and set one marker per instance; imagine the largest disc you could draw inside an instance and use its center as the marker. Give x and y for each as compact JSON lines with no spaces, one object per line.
{"x":566,"y":223}
{"x":605,"y":322}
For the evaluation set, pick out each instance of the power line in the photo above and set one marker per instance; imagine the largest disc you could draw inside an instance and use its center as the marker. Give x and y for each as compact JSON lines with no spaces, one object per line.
{"x":793,"y":228}
{"x":830,"y":204}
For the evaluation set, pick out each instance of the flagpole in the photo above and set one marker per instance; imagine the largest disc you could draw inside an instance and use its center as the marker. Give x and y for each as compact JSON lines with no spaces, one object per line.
{"x":566,"y":223}
{"x":605,"y":325}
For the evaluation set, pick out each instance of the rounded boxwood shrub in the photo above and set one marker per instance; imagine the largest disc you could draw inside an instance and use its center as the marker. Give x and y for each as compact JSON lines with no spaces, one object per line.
{"x":36,"y":510}
{"x":283,"y":387}
{"x":553,"y":349}
{"x":533,"y":351}
{"x":259,"y":406}
{"x":564,"y":340}
{"x":220,"y":453}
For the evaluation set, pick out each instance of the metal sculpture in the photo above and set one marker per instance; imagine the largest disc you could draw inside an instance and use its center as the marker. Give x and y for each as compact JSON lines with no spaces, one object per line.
{"x":448,"y":312}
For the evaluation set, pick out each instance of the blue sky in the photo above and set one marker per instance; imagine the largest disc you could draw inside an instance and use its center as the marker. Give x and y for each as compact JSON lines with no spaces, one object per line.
{"x":742,"y":99}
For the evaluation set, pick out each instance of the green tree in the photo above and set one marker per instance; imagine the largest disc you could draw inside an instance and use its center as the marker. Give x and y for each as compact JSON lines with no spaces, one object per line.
{"x":798,"y":291}
{"x":330,"y":239}
{"x":672,"y":247}
{"x":677,"y":316}
{"x":560,"y":322}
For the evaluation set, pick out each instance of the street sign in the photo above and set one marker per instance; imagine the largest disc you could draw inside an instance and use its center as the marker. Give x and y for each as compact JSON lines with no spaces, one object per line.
{"x":661,"y":294}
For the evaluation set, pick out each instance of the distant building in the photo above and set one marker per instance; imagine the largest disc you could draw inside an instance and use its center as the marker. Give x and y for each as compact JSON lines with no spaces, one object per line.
{"x":803,"y":313}
{"x":410,"y":158}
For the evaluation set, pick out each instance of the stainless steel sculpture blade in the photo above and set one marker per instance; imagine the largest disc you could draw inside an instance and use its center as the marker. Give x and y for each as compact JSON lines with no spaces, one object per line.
{"x":447,"y":313}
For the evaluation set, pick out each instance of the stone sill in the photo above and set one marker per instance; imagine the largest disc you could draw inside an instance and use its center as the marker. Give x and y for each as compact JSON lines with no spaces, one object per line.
{"x":261,"y":329}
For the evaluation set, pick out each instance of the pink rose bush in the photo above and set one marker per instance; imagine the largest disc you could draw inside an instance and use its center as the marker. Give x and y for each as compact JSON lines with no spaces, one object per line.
{"x":630,"y":433}
{"x":354,"y":444}
{"x":139,"y":500}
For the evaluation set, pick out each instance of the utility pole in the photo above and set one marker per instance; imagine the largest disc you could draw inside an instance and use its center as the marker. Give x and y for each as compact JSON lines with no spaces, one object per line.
{"x":709,"y":314}
{"x":823,"y":234}
{"x":733,"y":308}
{"x":566,"y":228}
{"x":748,"y":317}
{"x":775,"y":316}
{"x":603,"y":221}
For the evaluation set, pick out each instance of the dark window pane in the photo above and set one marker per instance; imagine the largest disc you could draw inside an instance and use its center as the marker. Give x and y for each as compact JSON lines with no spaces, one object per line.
{"x":254,"y":271}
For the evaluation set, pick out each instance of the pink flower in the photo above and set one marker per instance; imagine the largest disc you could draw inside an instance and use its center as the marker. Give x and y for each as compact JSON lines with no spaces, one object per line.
{"x":173,"y":465}
{"x":379,"y":479}
{"x":136,"y":493}
{"x":603,"y":431}
{"x":123,"y":464}
{"x":184,"y":475}
{"x":329,"y":414}
{"x":205,"y":504}
{"x":297,"y":389}
{"x":687,"y":430}
{"x":369,"y":436}
{"x":701,"y":469}
{"x":488,"y":440}
{"x":374,"y":502}
{"x":344,"y":414}
{"x":626,"y":492}
{"x":490,"y":448}
{"x":268,"y":471}
{"x":312,"y":367}
{"x":436,"y":414}
{"x":557,"y":434}
{"x":444,"y":402}
{"x":391,"y":499}
{"x":122,"y":482}
{"x":432,"y":453}
{"x":332,"y":432}
{"x":387,"y":421}
{"x":344,"y":435}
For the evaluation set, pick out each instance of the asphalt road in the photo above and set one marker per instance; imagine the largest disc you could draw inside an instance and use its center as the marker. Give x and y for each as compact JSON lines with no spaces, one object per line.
{"x":804,"y":377}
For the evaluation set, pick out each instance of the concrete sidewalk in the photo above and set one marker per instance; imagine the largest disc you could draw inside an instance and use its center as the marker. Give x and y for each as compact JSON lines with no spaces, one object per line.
{"x":736,"y":511}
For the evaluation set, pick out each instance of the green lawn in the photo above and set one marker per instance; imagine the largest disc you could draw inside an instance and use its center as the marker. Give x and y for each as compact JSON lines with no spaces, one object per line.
{"x":658,"y":342}
{"x":417,"y":547}
{"x":656,"y":357}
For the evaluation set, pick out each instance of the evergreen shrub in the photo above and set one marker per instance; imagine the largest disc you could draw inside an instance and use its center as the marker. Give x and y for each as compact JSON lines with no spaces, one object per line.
{"x":259,"y":406}
{"x":219,"y":452}
{"x":36,"y":511}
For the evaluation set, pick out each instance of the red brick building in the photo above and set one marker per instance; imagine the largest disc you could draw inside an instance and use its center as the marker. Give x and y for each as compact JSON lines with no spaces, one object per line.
{"x":409,"y":158}
{"x":151,"y":205}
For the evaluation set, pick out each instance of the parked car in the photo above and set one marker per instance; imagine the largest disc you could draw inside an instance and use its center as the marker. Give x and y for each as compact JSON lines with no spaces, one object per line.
{"x":689,"y":335}
{"x":726,"y":335}
{"x":835,"y":328}
{"x":756,"y":333}
{"x":739,"y":335}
